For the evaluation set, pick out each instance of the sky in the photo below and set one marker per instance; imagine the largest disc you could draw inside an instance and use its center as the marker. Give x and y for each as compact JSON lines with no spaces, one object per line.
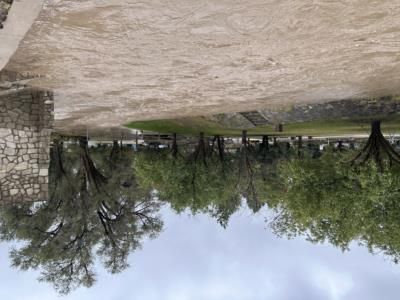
{"x":195,"y":258}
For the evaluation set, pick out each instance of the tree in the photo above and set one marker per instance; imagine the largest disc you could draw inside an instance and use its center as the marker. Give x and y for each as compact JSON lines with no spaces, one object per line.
{"x":61,"y":236}
{"x":247,"y":173}
{"x":91,"y":177}
{"x":376,"y":148}
{"x":174,"y":147}
{"x":199,"y":180}
{"x":300,"y":146}
{"x":207,"y":178}
{"x":327,"y":201}
{"x":314,"y":197}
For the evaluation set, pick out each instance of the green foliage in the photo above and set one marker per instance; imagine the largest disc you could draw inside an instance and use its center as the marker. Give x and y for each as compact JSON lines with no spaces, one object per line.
{"x":189,"y":184}
{"x":203,"y":180}
{"x":84,"y":218}
{"x":327,"y":200}
{"x":104,"y":201}
{"x":325,"y":127}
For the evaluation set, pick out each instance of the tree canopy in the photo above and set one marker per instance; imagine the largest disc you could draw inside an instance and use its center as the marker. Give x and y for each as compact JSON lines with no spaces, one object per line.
{"x":104,"y":201}
{"x":88,"y":215}
{"x":327,"y":200}
{"x":208,"y":177}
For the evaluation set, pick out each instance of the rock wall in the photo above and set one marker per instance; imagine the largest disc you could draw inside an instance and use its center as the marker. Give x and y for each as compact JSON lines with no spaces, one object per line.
{"x":231,"y":120}
{"x":335,"y":110}
{"x":26,"y":119}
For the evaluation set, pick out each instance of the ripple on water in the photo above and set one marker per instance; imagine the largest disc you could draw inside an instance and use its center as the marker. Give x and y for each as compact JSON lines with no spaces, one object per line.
{"x":186,"y":57}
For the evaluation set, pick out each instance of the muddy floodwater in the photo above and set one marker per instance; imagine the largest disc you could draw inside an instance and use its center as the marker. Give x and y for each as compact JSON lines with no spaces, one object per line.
{"x":111,"y":62}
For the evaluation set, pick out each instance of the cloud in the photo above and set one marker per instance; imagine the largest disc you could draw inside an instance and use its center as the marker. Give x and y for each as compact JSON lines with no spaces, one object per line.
{"x":194,"y":258}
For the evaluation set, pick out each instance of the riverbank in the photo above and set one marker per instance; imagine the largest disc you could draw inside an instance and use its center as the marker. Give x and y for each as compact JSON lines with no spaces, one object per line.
{"x":192,"y":126}
{"x":343,"y":117}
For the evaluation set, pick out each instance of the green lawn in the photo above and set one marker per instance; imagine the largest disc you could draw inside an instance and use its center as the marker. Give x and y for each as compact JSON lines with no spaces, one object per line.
{"x":192,"y":126}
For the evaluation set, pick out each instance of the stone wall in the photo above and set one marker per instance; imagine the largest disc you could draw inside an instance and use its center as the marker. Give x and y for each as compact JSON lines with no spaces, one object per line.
{"x":231,"y":120}
{"x":335,"y":110}
{"x":26,"y":119}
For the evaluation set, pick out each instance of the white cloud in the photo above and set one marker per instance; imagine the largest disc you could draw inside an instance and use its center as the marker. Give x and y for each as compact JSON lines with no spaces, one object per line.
{"x":194,"y":258}
{"x":335,"y":284}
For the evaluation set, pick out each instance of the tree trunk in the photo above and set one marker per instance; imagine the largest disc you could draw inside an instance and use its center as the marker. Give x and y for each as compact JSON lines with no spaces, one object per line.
{"x":244,"y":137}
{"x":340,"y":146}
{"x":221,"y":148}
{"x":376,"y":127}
{"x":174,"y":146}
{"x":265,"y":143}
{"x":299,"y":145}
{"x":376,"y":147}
{"x":115,"y":150}
{"x":89,"y":171}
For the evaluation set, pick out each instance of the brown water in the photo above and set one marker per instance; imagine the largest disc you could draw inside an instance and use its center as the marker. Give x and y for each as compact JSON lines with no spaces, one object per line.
{"x":113,"y":61}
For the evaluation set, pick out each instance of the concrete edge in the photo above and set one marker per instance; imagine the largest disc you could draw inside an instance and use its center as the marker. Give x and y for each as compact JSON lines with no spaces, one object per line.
{"x":21,"y":16}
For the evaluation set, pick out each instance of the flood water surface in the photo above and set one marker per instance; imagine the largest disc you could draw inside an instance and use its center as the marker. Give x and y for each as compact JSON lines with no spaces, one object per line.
{"x":111,"y":62}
